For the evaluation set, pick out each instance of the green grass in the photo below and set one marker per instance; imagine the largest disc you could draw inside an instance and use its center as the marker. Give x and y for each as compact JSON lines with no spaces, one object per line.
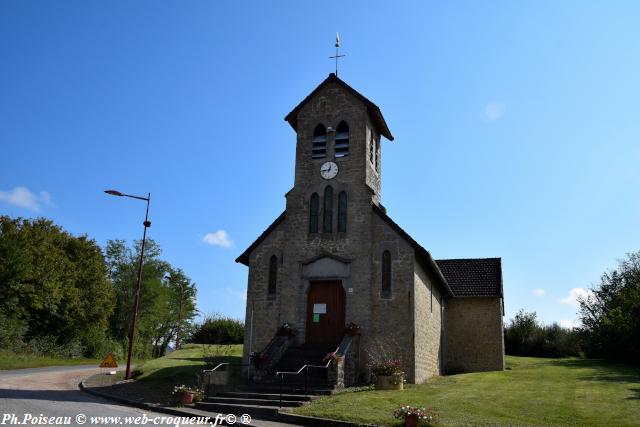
{"x":188,"y":361}
{"x":534,"y":392}
{"x":156,"y":378}
{"x":9,"y":360}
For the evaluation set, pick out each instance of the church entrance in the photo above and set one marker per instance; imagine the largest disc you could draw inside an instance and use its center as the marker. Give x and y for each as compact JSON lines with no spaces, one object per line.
{"x":325,"y":312}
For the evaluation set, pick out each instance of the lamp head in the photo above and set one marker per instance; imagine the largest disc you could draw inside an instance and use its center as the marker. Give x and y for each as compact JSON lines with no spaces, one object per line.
{"x":114,"y":193}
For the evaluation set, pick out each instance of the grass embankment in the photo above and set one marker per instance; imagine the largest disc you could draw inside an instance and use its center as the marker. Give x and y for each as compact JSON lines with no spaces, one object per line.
{"x":156,"y":378}
{"x":187,"y":362}
{"x":534,"y":392}
{"x":10,"y":360}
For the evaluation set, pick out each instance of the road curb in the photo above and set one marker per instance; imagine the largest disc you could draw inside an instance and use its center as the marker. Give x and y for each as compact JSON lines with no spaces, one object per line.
{"x":128,"y":402}
{"x":285,"y":417}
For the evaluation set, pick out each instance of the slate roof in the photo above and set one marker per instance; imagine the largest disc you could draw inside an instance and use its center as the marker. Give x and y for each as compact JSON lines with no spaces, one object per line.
{"x":475,"y":277}
{"x":374,"y":111}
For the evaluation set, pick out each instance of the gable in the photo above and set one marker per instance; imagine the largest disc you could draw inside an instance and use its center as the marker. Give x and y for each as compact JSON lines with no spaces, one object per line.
{"x":421,"y":253}
{"x":372,"y":109}
{"x":473,"y":277}
{"x":244,"y":257}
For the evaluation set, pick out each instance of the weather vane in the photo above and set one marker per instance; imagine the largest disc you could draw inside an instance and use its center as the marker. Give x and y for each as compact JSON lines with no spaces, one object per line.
{"x":337,"y":49}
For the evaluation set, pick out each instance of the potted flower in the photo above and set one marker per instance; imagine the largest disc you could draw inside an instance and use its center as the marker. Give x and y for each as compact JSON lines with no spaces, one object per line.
{"x":352,"y":329}
{"x":413,"y":416}
{"x":286,"y":331}
{"x":258,"y":360}
{"x":186,"y":394}
{"x":333,"y":357}
{"x":389,"y":374}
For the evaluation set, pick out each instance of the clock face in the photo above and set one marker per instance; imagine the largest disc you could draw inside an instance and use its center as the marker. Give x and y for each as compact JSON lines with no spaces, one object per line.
{"x":328,"y":170}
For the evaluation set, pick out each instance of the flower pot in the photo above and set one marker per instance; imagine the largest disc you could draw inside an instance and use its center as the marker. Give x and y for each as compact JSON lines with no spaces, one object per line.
{"x":186,"y":397}
{"x":411,"y":420}
{"x":389,"y":382}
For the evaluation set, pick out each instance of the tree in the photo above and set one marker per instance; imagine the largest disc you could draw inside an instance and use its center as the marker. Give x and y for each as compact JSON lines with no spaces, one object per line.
{"x":159,"y":298}
{"x":611,"y":314}
{"x":53,"y":288}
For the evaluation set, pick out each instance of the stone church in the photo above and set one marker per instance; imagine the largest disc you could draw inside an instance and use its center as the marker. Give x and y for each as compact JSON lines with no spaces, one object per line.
{"x":334,"y":272}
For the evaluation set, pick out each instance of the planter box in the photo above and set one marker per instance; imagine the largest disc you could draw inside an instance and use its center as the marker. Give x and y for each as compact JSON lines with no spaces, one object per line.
{"x":389,"y":382}
{"x":186,"y":397}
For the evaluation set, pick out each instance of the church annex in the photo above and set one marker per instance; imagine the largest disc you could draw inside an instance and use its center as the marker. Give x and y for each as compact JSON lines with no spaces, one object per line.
{"x":334,"y":272}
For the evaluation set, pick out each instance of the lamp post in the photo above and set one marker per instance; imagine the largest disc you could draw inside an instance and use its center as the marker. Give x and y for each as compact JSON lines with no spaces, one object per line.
{"x":134,"y":320}
{"x":181,"y":284}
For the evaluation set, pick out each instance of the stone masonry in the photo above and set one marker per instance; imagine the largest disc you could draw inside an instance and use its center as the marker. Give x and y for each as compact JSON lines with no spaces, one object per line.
{"x":408,"y":323}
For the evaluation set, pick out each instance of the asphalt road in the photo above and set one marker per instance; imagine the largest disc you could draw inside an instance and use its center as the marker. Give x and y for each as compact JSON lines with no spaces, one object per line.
{"x":26,"y":394}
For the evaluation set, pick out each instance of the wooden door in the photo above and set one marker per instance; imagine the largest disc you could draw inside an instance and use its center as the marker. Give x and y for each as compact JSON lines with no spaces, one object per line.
{"x":325,"y":312}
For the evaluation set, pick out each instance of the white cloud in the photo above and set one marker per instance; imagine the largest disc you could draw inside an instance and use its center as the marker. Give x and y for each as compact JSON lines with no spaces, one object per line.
{"x":219,"y":238}
{"x":575,"y":293}
{"x":494,"y":111}
{"x":24,"y":198}
{"x":538,"y":293}
{"x":570,"y":324}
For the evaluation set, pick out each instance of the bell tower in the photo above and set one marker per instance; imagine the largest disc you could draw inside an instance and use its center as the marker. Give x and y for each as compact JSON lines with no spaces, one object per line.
{"x":338,"y":144}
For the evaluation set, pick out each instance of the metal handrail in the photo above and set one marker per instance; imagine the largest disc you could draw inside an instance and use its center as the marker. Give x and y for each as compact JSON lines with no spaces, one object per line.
{"x":306,"y":378}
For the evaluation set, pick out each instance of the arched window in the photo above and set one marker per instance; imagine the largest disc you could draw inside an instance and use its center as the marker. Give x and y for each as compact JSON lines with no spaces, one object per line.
{"x":386,"y":275}
{"x":342,"y":211}
{"x":327,"y":215}
{"x":319,"y":148}
{"x":314,"y":205}
{"x":376,"y":157}
{"x":273,"y":274}
{"x":342,"y":140}
{"x":371,"y":149}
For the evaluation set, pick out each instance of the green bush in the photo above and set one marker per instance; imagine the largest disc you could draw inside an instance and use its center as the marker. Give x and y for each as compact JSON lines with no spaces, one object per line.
{"x":218,"y":329}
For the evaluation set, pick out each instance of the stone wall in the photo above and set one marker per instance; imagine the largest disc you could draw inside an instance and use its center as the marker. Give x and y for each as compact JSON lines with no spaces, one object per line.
{"x":428,"y":325}
{"x":474,"y":338}
{"x":390,"y":334}
{"x":291,"y":241}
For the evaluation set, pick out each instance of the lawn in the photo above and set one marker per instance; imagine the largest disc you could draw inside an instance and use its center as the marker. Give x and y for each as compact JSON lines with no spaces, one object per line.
{"x":10,"y":360}
{"x":187,"y":362}
{"x":533,"y":392}
{"x":156,"y":378}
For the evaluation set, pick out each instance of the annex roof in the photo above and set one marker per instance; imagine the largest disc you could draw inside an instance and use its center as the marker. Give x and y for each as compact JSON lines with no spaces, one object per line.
{"x":374,"y":111}
{"x":473,"y":277}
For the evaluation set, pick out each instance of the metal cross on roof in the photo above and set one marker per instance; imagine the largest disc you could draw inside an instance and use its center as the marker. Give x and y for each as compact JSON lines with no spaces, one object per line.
{"x":337,"y":55}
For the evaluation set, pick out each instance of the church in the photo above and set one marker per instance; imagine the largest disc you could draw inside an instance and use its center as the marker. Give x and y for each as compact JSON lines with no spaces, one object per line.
{"x":335,"y":273}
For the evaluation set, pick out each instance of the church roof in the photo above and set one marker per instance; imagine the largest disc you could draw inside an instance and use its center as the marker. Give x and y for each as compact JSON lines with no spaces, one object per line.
{"x":244,"y":257}
{"x":374,"y":111}
{"x":421,"y":252}
{"x":479,"y":277}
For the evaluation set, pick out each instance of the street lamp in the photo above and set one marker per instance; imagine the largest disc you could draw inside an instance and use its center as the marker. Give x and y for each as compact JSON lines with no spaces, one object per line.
{"x":147,"y":224}
{"x":181,"y":283}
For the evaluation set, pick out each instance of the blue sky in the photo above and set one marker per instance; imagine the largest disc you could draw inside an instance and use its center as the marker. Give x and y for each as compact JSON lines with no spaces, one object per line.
{"x":516,"y":127}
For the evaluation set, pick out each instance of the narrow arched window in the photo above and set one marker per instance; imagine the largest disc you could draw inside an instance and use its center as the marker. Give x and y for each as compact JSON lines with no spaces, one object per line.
{"x":314,"y":205}
{"x":371,"y":149}
{"x":386,"y":275}
{"x":327,"y":214}
{"x":273,"y":274}
{"x":377,"y":155}
{"x":342,"y":140}
{"x":319,"y":143}
{"x":342,"y":211}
